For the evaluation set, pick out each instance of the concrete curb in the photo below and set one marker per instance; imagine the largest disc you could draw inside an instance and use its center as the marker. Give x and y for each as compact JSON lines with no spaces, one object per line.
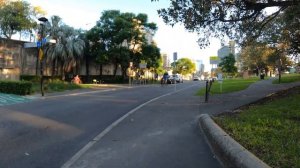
{"x":228,"y":151}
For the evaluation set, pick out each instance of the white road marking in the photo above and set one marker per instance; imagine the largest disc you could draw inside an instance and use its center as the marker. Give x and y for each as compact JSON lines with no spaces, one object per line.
{"x":73,"y":159}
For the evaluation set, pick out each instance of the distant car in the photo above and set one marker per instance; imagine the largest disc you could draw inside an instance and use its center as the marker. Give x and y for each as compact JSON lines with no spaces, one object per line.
{"x":176,"y":78}
{"x":196,"y":78}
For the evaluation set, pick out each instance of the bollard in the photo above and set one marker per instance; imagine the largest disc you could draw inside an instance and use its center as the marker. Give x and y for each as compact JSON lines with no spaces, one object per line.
{"x":206,"y":92}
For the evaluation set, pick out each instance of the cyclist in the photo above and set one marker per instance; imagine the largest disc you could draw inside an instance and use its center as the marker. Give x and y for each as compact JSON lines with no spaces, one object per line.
{"x":165,"y":78}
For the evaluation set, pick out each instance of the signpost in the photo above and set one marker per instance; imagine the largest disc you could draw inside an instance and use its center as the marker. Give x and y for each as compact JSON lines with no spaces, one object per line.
{"x":143,"y":64}
{"x":175,"y":58}
{"x":220,"y":80}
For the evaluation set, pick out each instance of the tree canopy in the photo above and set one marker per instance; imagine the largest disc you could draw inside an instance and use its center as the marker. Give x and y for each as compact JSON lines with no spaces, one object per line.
{"x":120,"y":38}
{"x":184,"y":66}
{"x":228,"y":64}
{"x":237,"y":19}
{"x":17,"y":16}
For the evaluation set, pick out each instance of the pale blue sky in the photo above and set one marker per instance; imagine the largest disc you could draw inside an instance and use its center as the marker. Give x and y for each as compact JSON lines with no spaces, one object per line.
{"x":84,"y":14}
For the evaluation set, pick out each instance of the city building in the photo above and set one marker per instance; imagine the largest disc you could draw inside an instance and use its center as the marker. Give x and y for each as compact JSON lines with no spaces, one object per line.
{"x":199,"y":67}
{"x":226,"y":50}
{"x":166,"y":62}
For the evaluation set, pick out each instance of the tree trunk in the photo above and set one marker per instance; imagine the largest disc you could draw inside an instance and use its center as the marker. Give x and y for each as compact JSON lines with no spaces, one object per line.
{"x":124,"y":71}
{"x":115,"y":69}
{"x":101,"y":70}
{"x":279,"y":75}
{"x":62,"y":71}
{"x":53,"y":67}
{"x":87,"y":65}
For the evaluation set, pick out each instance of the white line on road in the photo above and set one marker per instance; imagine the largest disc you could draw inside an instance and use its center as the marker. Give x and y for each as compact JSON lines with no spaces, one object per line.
{"x":73,"y":159}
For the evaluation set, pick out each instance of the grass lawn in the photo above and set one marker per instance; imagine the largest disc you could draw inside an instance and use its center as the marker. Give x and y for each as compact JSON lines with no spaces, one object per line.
{"x":270,"y":130}
{"x":57,"y":86}
{"x":229,"y":85}
{"x":288,"y":78}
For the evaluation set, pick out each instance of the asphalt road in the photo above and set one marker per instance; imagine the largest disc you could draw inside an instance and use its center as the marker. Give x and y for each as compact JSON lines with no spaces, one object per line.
{"x":47,"y":132}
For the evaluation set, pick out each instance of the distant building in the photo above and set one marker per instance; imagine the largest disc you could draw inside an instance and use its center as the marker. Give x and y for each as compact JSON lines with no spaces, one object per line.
{"x":226,"y":50}
{"x":165,"y":61}
{"x":223,"y":52}
{"x":232,"y":47}
{"x":199,"y":67}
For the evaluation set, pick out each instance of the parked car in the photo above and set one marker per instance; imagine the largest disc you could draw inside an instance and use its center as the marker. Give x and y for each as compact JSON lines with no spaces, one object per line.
{"x":176,"y":78}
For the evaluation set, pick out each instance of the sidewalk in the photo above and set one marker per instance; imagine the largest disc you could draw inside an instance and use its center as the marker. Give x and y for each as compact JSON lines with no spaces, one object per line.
{"x":165,"y":132}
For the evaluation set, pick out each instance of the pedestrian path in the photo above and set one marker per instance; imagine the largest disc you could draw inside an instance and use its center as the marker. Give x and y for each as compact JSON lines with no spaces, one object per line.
{"x":8,"y":99}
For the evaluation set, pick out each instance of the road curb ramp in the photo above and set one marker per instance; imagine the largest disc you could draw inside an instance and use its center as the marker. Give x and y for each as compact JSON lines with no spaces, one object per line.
{"x":229,"y":152}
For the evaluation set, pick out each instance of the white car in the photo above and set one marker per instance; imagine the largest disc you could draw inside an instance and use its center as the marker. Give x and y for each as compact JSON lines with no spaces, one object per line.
{"x":196,"y":78}
{"x":176,"y":77}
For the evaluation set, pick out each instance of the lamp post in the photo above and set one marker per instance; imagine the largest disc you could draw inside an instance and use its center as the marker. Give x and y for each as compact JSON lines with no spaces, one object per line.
{"x":40,"y":44}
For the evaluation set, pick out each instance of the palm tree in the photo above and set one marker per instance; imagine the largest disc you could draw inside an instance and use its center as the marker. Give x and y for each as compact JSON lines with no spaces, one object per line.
{"x":68,"y":49}
{"x":54,"y":31}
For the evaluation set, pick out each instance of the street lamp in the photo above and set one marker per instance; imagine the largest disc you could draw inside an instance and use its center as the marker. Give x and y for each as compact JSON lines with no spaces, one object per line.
{"x":40,"y":44}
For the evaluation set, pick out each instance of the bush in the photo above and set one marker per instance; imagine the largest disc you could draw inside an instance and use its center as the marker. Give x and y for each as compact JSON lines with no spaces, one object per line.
{"x":37,"y":79}
{"x":31,"y":78}
{"x":58,"y":85}
{"x":16,"y":87}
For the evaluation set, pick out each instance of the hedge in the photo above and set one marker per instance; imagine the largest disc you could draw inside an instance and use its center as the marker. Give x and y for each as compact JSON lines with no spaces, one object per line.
{"x":16,"y":87}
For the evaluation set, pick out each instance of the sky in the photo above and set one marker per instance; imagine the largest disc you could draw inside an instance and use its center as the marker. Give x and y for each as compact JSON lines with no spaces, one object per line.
{"x":84,"y":14}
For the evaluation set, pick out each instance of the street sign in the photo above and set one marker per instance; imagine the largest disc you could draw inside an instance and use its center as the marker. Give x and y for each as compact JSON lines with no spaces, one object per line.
{"x":220,"y":77}
{"x":214,"y":60}
{"x":143,"y":64}
{"x":39,"y":43}
{"x":29,"y":45}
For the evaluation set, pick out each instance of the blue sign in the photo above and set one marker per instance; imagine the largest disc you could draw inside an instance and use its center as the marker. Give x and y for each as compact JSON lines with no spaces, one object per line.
{"x":38,"y":44}
{"x":42,"y":42}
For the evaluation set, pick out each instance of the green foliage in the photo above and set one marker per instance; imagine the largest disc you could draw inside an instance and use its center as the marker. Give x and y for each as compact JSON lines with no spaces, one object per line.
{"x":228,"y":85}
{"x":58,"y":86}
{"x":184,"y":66}
{"x":219,"y":18}
{"x":119,"y":38}
{"x":270,"y":131}
{"x":31,"y":78}
{"x":285,"y":30}
{"x":228,"y":64}
{"x":68,"y":50}
{"x":16,"y":16}
{"x":151,"y":54}
{"x":16,"y":87}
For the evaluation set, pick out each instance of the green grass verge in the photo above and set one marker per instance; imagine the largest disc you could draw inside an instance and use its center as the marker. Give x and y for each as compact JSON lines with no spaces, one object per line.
{"x":271,"y":131}
{"x":288,"y":78}
{"x":228,"y":85}
{"x":57,"y":86}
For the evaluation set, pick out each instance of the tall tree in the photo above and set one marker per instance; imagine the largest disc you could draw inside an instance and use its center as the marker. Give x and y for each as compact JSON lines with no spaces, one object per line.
{"x":121,"y":37}
{"x":227,"y":64}
{"x":257,"y":56}
{"x":16,"y":16}
{"x":184,"y":66}
{"x":68,"y":49}
{"x":151,"y":55}
{"x":237,"y":19}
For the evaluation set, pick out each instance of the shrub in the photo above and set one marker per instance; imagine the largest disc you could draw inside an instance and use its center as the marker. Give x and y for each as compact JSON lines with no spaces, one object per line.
{"x":32,"y":78}
{"x":16,"y":87}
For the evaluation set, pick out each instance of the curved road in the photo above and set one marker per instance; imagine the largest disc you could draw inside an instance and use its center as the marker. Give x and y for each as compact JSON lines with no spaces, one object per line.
{"x":47,"y":132}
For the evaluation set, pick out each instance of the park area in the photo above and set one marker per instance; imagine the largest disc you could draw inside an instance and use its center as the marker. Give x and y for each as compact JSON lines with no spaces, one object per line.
{"x":269,"y":128}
